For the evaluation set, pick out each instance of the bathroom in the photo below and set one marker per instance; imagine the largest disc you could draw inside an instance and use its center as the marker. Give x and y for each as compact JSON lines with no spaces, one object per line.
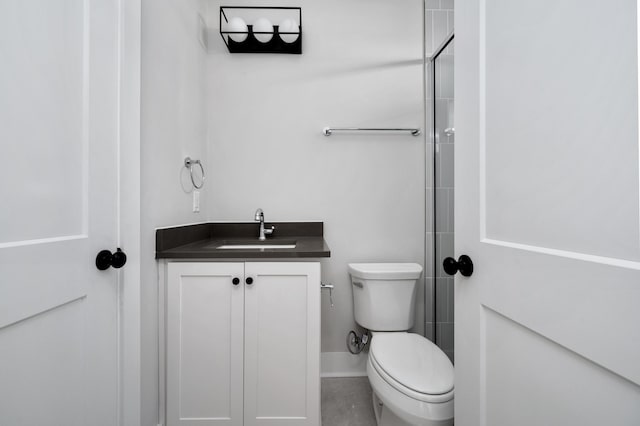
{"x":255,"y":123}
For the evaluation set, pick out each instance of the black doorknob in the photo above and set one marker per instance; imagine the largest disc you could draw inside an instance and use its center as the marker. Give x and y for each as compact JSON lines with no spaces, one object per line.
{"x":249,"y":280}
{"x":236,"y":281}
{"x":105,"y":258}
{"x":464,"y":265}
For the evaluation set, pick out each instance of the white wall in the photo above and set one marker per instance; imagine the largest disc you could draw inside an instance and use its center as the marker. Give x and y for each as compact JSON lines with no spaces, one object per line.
{"x":361,"y":66}
{"x":173,"y":126}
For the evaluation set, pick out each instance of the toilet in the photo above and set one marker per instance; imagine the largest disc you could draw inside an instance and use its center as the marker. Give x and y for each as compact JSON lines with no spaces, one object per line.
{"x":411,"y":378}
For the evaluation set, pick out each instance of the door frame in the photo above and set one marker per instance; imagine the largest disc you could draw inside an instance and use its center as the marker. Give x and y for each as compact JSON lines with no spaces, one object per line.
{"x":129,"y":285}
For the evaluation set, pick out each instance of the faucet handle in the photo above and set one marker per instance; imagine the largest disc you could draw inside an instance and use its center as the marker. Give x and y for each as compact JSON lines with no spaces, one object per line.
{"x":269,"y":231}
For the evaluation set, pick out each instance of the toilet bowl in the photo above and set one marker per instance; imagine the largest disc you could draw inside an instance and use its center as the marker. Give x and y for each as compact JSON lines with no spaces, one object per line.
{"x":411,"y":378}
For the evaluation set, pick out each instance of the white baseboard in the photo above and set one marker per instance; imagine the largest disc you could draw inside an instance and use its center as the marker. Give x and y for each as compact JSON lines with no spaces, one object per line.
{"x":343,"y":364}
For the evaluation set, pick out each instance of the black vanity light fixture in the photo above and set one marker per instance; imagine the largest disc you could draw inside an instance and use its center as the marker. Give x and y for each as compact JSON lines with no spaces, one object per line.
{"x":246,"y":29}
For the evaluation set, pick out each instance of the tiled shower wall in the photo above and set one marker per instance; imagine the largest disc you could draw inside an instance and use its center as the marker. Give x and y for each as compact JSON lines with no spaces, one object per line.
{"x":438,"y":23}
{"x":439,"y":19}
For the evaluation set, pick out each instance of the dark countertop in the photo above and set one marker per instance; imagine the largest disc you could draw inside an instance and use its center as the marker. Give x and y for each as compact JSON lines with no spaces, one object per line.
{"x":200,"y":241}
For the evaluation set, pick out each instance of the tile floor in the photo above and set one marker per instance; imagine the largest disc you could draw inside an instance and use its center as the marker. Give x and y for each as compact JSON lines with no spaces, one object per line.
{"x":346,"y":401}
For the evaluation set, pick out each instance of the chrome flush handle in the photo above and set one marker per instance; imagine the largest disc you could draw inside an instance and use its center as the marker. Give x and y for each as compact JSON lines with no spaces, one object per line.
{"x":324,"y":286}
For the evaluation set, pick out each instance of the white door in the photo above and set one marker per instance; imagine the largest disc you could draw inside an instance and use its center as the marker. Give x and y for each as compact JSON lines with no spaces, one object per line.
{"x":58,"y":170}
{"x":547,"y":207}
{"x":282,"y":344}
{"x":205,"y":343}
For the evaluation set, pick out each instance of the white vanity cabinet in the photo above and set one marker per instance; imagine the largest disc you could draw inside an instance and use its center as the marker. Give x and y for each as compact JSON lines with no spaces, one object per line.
{"x":246,"y":353}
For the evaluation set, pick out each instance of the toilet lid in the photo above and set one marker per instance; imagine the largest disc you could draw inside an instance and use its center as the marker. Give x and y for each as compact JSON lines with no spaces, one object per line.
{"x":414,"y":362}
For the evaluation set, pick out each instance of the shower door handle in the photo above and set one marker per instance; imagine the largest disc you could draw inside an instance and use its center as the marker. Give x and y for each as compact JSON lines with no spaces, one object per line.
{"x":463,"y":264}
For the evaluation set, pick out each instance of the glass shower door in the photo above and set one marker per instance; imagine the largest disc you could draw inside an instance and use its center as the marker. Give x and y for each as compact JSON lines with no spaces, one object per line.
{"x":443,"y":193}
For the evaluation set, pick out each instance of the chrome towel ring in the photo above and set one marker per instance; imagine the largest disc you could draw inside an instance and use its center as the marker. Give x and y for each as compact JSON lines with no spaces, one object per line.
{"x":188,"y":163}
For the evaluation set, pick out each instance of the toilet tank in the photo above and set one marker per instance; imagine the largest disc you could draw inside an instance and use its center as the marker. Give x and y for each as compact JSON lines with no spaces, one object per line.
{"x":384,"y":294}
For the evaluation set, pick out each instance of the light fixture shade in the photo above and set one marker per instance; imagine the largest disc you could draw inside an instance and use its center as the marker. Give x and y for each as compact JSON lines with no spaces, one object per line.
{"x":238,"y":24}
{"x":247,"y":29}
{"x":263,"y":25}
{"x":289,"y":26}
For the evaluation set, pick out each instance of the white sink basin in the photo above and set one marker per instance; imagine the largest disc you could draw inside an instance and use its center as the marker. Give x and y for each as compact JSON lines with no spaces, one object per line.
{"x":255,"y":246}
{"x":249,"y":244}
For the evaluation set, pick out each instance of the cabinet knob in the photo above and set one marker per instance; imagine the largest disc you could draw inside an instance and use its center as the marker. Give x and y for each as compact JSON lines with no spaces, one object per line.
{"x":236,"y":281}
{"x":249,"y":280}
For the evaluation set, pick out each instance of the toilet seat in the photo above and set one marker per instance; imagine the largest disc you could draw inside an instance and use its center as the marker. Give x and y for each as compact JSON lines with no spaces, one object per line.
{"x":390,"y":403}
{"x":413,"y":365}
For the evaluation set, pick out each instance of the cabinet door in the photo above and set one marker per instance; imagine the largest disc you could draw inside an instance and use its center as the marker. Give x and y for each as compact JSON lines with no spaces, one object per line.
{"x":204,"y":344}
{"x":282,"y":344}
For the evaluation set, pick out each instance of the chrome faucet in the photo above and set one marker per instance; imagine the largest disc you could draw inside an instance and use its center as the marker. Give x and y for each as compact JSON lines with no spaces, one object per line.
{"x":263,"y":232}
